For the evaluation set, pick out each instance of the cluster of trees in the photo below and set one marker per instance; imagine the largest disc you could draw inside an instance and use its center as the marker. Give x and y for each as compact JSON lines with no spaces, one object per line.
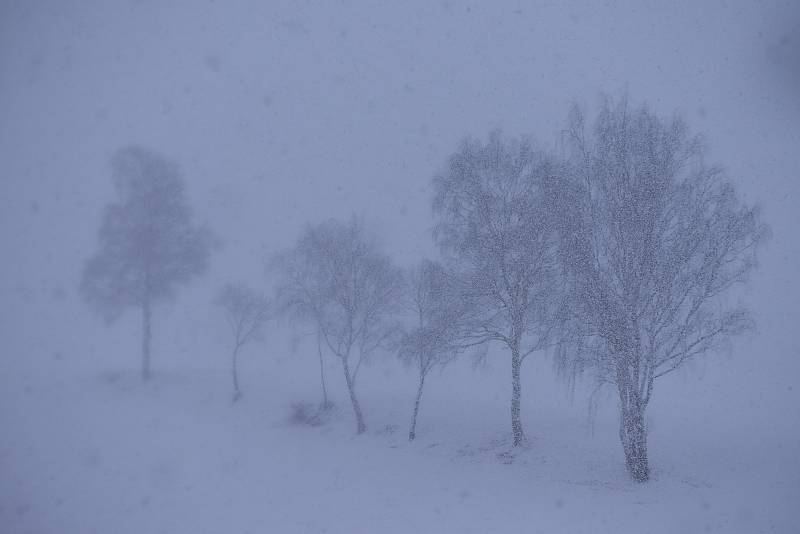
{"x":616,"y":254}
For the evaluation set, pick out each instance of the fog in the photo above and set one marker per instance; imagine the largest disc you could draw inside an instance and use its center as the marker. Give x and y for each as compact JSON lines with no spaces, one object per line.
{"x":285,"y":114}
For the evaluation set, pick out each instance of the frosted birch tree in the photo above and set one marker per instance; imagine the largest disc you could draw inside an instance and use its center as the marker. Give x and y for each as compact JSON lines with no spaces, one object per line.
{"x":246,"y":311}
{"x":653,"y":242}
{"x":149,"y":245}
{"x":336,"y":279}
{"x":496,"y":234}
{"x":438,"y":309}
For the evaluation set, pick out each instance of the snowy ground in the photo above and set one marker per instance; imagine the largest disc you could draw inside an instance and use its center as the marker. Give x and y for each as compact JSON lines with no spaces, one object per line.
{"x":96,"y":451}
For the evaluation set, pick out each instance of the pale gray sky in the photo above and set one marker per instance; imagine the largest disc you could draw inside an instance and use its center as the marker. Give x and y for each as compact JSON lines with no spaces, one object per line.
{"x":281,"y":113}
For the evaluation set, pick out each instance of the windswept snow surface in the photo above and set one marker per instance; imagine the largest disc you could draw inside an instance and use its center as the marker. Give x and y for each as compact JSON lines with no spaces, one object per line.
{"x":101,"y":452}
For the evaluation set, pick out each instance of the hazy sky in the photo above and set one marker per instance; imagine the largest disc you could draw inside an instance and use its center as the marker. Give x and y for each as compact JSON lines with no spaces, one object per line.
{"x":281,"y":113}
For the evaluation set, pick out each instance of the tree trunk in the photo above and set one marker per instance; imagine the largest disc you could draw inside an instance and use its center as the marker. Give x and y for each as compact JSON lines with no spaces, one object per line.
{"x":146,"y":319}
{"x":237,"y":394}
{"x":633,"y":434}
{"x":413,"y":432}
{"x":325,"y":403}
{"x":351,"y":388}
{"x":516,"y":396}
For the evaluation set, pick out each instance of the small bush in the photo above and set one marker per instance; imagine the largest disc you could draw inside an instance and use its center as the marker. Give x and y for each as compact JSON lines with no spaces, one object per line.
{"x":308,"y":414}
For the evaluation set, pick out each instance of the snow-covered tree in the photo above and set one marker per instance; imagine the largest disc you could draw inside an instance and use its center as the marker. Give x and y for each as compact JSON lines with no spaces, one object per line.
{"x":497,"y":236}
{"x":439,"y":311}
{"x":336,"y":279}
{"x":246,"y":311}
{"x":653,"y":240}
{"x":149,"y":244}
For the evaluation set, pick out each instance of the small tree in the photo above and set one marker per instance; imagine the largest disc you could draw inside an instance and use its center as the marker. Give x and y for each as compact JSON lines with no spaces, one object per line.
{"x":149,"y":244}
{"x":246,"y":311}
{"x":336,"y":279}
{"x":436,"y":339}
{"x":493,"y":226}
{"x":652,"y":240}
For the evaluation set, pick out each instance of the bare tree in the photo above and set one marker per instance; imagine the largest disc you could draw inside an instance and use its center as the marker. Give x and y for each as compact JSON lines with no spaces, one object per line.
{"x":336,"y":279}
{"x":497,"y":235}
{"x":246,"y":311}
{"x":437,"y":338}
{"x":652,"y":240}
{"x":326,"y":404}
{"x":149,"y":244}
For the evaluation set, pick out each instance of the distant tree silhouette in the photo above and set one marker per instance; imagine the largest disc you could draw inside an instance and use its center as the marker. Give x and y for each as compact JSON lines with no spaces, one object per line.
{"x":149,"y":245}
{"x":246,"y":311}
